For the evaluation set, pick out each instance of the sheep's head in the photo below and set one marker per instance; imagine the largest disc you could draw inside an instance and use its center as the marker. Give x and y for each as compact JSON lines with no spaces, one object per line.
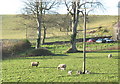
{"x":58,"y":67}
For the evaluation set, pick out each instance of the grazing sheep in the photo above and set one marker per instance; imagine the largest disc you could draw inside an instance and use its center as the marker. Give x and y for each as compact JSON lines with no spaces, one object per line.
{"x":61,"y":66}
{"x":110,"y":56}
{"x":79,"y":72}
{"x":34,"y":64}
{"x":69,"y":72}
{"x":87,"y":72}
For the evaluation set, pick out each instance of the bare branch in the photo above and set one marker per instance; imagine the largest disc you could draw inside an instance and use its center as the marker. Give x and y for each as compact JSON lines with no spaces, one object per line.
{"x":97,"y":3}
{"x":81,"y":12}
{"x":52,"y":5}
{"x":68,"y":8}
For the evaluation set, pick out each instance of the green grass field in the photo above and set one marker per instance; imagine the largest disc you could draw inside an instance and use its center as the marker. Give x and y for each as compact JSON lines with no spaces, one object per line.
{"x":102,"y":69}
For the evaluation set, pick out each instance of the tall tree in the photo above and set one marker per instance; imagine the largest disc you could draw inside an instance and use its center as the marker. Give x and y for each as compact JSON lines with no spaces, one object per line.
{"x":37,"y":8}
{"x":74,"y":8}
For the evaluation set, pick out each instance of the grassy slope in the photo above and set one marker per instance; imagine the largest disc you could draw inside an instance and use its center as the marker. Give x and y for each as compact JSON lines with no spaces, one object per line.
{"x":13,"y":28}
{"x":106,"y":21}
{"x":102,"y":69}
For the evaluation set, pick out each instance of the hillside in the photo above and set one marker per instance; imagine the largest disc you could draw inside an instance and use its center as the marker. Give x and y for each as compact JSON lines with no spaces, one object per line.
{"x":14,"y":27}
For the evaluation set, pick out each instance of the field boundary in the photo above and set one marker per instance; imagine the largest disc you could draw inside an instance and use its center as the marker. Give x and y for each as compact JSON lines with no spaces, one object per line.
{"x":78,"y":40}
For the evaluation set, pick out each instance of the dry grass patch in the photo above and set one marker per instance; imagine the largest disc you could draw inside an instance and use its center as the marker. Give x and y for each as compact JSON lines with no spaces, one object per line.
{"x":40,"y":52}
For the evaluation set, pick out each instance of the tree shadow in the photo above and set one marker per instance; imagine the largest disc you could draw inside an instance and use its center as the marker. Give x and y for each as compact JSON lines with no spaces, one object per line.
{"x":104,"y":51}
{"x":49,"y":47}
{"x":34,"y":58}
{"x":90,"y":57}
{"x":42,"y":57}
{"x":116,"y":57}
{"x":93,"y":57}
{"x":47,"y":67}
{"x":75,"y":75}
{"x":103,"y":73}
{"x":60,"y":55}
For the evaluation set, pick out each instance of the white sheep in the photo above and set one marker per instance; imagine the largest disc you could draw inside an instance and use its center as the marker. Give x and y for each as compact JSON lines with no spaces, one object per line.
{"x":61,"y":66}
{"x":87,"y":72}
{"x":110,"y":56}
{"x":69,"y":72}
{"x":34,"y":64}
{"x":79,"y":72}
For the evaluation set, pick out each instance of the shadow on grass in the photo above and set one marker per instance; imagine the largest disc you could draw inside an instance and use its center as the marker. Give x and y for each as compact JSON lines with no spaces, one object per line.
{"x":106,"y":51}
{"x":116,"y":57}
{"x":60,"y":55}
{"x":75,"y":75}
{"x":42,"y":57}
{"x":34,"y":58}
{"x":103,"y":73}
{"x":90,"y":57}
{"x":93,"y":57}
{"x":47,"y":67}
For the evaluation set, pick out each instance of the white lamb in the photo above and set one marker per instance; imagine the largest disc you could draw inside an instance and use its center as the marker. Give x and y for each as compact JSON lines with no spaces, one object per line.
{"x":34,"y":64}
{"x":110,"y":56}
{"x":69,"y":72}
{"x":61,"y":66}
{"x":87,"y":72}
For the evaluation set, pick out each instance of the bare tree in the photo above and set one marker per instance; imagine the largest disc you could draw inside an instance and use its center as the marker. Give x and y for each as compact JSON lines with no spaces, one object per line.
{"x":74,"y":8}
{"x":37,"y":8}
{"x":63,"y":22}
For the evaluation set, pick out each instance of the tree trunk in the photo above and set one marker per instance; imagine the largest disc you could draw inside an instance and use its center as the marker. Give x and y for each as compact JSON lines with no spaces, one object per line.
{"x":44,"y":35}
{"x":38,"y":43}
{"x":39,"y":21}
{"x":70,"y":27}
{"x":60,"y":28}
{"x":73,"y":37}
{"x":75,"y":18}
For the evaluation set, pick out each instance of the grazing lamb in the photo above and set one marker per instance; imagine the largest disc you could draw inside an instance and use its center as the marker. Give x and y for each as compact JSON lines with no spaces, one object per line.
{"x":34,"y":64}
{"x":69,"y":72}
{"x":87,"y":72}
{"x":79,"y":72}
{"x":110,"y":56}
{"x":61,"y":66}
